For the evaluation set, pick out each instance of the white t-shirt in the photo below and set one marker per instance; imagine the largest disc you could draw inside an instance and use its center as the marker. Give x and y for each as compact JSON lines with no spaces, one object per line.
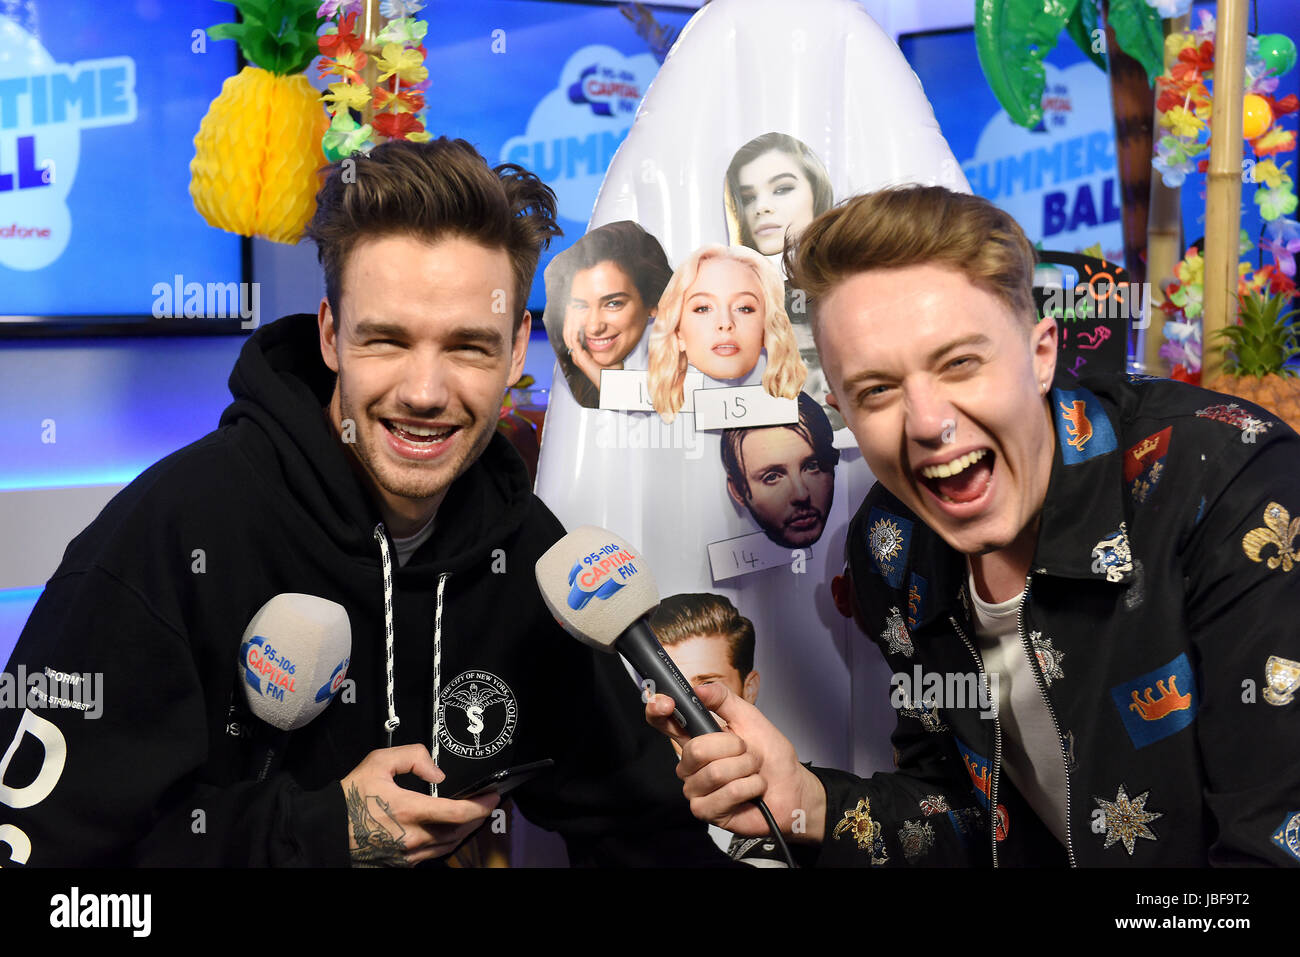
{"x":1031,"y":751}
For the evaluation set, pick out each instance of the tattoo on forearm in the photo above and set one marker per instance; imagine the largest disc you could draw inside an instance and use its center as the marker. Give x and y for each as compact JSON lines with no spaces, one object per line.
{"x":376,"y":835}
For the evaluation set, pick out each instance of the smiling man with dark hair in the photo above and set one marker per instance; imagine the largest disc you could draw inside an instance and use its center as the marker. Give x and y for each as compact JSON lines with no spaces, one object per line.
{"x":358,"y":468}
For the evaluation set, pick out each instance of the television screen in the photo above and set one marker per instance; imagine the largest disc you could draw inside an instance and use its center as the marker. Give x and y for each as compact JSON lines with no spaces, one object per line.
{"x":100,"y":101}
{"x":1059,"y":180}
{"x":550,"y":86}
{"x":99,"y":104}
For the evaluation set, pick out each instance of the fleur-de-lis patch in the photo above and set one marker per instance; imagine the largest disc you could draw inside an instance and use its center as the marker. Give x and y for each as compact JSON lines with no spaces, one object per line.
{"x":1280,"y":531}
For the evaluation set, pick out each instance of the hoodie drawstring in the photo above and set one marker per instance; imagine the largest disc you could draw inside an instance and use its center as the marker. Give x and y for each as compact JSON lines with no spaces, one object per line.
{"x":437,"y":673}
{"x":386,"y":560}
{"x":393,"y":721}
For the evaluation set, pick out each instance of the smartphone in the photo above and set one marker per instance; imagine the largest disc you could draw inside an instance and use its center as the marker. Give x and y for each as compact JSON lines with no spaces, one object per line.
{"x":505,"y":781}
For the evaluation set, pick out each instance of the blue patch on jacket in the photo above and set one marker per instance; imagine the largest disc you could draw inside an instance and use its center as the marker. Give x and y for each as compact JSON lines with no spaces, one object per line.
{"x":1082,"y":426}
{"x":1159,"y":703}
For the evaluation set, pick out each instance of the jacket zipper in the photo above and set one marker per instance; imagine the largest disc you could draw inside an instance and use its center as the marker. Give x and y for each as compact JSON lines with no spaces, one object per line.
{"x":1042,"y":690}
{"x":997,"y":744}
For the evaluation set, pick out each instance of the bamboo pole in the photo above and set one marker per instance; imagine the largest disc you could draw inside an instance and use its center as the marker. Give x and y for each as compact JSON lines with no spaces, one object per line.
{"x":1164,"y":240}
{"x":372,"y":22}
{"x":1223,"y":185}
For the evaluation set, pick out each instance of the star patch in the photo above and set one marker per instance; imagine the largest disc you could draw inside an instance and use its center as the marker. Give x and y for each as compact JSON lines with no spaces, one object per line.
{"x":1144,"y":463}
{"x":1049,"y":659}
{"x":889,"y":538}
{"x":1157,"y":704}
{"x":857,"y":822}
{"x":1251,"y":426}
{"x":1126,"y":820}
{"x":1283,"y":678}
{"x":1287,"y":836}
{"x":934,"y":804}
{"x":1279,"y":532}
{"x":1112,"y":555}
{"x":895,"y":635}
{"x":916,"y":837}
{"x":1082,"y":426}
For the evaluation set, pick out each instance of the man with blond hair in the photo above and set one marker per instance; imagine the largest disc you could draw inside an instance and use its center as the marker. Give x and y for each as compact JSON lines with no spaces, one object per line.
{"x":1086,"y":590}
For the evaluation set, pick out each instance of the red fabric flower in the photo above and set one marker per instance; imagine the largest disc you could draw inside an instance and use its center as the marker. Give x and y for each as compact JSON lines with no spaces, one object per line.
{"x":1200,"y":59}
{"x":1288,"y":104}
{"x":331,"y":43}
{"x":1180,"y":373}
{"x":396,"y":125}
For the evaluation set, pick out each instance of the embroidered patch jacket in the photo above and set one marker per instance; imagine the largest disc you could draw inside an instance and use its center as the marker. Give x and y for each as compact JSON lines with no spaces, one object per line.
{"x":1161,"y":618}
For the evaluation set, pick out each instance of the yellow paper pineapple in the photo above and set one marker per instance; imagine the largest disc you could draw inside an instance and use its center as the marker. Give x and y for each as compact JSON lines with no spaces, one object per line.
{"x":257,"y":151}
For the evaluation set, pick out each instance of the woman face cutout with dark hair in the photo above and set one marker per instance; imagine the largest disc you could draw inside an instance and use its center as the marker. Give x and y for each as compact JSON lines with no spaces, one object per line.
{"x":775,"y":187}
{"x":604,"y":318}
{"x":601,"y":294}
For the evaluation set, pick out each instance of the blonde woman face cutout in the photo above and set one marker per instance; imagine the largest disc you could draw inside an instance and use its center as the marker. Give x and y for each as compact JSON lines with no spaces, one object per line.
{"x":722,"y":323}
{"x":775,"y":199}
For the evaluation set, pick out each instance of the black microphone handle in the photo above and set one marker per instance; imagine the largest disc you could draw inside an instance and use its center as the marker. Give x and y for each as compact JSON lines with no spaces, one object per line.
{"x":641,"y":647}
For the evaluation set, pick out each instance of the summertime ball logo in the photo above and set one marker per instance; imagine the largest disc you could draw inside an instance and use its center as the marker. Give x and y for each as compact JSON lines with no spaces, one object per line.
{"x":44,"y":106}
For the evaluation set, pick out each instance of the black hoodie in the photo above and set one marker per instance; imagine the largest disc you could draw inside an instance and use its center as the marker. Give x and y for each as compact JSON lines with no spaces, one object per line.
{"x":155,"y":594}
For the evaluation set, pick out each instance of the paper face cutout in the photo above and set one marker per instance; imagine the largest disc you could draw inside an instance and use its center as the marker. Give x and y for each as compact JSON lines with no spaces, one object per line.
{"x":601,"y":296}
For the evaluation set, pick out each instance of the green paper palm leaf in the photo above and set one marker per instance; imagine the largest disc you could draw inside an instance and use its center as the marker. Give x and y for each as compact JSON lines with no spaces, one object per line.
{"x":277,"y":35}
{"x":1140,"y":35}
{"x":1011,"y":38}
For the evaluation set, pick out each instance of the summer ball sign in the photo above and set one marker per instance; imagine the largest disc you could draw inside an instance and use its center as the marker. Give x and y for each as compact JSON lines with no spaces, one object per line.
{"x":1059,"y":180}
{"x":575,"y":129}
{"x":44,"y":106}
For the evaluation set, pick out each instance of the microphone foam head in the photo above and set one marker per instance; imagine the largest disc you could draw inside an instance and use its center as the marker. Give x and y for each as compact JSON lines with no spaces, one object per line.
{"x":294,"y":657}
{"x":596,"y":585}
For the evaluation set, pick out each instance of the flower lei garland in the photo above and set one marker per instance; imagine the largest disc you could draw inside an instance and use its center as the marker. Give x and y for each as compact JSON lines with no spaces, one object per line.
{"x":1184,"y":300}
{"x":398,"y":100}
{"x":1183,"y":106}
{"x":1183,"y":109}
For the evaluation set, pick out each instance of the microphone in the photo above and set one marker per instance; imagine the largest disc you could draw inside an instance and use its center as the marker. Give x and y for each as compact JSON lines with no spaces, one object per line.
{"x":292,"y":661}
{"x":601,"y":592}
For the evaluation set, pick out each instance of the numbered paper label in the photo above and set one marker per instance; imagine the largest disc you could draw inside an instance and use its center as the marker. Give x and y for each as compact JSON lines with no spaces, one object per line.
{"x":741,"y":408}
{"x":625,"y":390}
{"x":750,"y":553}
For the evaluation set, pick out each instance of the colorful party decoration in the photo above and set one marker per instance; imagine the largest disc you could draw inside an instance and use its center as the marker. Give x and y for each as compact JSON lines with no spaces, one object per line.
{"x":1277,"y":50}
{"x":255,"y":155}
{"x":1183,"y":103}
{"x":391,"y":106}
